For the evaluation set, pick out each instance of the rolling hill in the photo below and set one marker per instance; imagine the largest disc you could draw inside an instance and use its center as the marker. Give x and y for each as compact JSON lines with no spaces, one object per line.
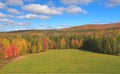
{"x":82,"y":28}
{"x":95,"y":27}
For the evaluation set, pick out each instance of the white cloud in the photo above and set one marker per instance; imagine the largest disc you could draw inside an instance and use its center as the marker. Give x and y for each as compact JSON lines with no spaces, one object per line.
{"x":41,"y":24}
{"x":2,"y":26}
{"x":23,"y":23}
{"x":81,"y":2}
{"x":43,"y":17}
{"x":2,"y":15}
{"x":2,"y":5}
{"x":75,"y":9}
{"x":13,"y":11}
{"x":6,"y":20}
{"x":42,"y":9}
{"x":10,"y":16}
{"x":28,"y":0}
{"x":17,"y":29}
{"x":11,"y":22}
{"x":113,"y":3}
{"x":63,"y":25}
{"x":61,"y":9}
{"x":32,"y":16}
{"x":14,"y":2}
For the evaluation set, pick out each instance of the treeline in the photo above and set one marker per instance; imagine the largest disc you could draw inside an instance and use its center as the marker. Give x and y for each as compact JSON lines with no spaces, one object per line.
{"x":12,"y":45}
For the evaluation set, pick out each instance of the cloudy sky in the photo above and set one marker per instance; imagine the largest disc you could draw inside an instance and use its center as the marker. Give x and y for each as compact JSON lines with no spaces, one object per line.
{"x":55,"y":14}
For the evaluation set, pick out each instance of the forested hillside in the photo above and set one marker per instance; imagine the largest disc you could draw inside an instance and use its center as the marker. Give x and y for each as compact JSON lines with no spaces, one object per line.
{"x":20,"y":43}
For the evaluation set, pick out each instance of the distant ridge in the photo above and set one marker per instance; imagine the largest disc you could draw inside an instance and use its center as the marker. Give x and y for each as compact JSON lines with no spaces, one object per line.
{"x":95,"y":27}
{"x":82,"y":27}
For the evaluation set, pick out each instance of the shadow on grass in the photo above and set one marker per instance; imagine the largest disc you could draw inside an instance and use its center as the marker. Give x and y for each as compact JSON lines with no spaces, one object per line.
{"x":97,"y":52}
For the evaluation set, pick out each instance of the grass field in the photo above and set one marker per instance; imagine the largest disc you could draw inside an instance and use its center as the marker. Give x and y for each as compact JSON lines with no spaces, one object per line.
{"x":64,"y":62}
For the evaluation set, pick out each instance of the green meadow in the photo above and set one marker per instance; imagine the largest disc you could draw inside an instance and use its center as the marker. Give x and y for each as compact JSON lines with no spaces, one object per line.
{"x":69,"y":61}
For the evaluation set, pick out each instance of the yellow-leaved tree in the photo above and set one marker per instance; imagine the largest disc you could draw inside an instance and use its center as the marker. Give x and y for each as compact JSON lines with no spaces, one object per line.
{"x":5,"y":43}
{"x":23,"y":46}
{"x":39,"y":45}
{"x":62,"y":43}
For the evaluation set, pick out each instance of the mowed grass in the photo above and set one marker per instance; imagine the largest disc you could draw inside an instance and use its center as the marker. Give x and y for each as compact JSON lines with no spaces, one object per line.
{"x":64,"y":62}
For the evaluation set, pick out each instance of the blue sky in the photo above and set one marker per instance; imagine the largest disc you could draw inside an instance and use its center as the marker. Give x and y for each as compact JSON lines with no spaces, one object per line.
{"x":55,"y":14}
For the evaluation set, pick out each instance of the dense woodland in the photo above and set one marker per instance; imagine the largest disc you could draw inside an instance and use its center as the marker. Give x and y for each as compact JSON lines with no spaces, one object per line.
{"x":19,"y":43}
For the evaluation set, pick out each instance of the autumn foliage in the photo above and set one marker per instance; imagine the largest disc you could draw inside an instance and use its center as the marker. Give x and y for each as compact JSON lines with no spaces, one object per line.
{"x":12,"y":45}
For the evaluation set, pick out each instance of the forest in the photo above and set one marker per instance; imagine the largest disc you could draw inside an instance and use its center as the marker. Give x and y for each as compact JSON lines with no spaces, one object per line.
{"x":14,"y":44}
